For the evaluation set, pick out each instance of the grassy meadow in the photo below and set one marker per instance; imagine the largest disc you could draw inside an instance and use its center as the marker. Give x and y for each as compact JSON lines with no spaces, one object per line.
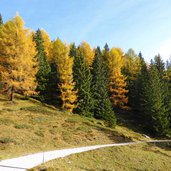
{"x":28,"y":126}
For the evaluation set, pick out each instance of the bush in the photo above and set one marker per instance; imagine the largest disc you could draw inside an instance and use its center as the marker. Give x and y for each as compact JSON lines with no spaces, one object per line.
{"x":6,"y":140}
{"x":22,"y":126}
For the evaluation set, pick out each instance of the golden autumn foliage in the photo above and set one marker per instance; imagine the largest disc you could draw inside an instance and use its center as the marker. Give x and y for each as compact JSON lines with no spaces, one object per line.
{"x":60,"y":53}
{"x":17,"y":52}
{"x":132,"y":64}
{"x":47,"y":44}
{"x":117,"y":84}
{"x":87,"y":52}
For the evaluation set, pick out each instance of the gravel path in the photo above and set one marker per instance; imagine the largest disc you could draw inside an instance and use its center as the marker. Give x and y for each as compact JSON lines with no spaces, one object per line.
{"x":27,"y":162}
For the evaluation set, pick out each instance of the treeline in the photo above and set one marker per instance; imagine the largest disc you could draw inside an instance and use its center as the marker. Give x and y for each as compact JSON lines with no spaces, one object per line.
{"x":90,"y":82}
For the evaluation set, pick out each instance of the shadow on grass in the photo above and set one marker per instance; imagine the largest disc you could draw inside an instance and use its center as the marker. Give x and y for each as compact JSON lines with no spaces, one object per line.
{"x":131,"y":120}
{"x":111,"y":133}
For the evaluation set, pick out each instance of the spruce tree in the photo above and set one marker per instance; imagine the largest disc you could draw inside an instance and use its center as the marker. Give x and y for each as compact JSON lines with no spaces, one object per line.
{"x":156,"y":114}
{"x":73,"y":50}
{"x":167,"y":81}
{"x":169,"y":98}
{"x":139,"y":86}
{"x":102,"y":105}
{"x":53,"y":91}
{"x":44,"y":68}
{"x":83,"y":78}
{"x":1,"y":21}
{"x":158,"y":62}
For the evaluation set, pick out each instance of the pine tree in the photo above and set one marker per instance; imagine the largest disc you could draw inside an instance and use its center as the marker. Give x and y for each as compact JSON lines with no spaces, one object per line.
{"x":117,"y":83}
{"x":106,"y":47}
{"x":64,"y":63}
{"x":168,"y":100}
{"x":73,"y":50}
{"x":1,"y":21}
{"x":83,"y":78}
{"x":54,"y":94}
{"x":167,"y":83}
{"x":154,"y":107}
{"x":102,"y":105}
{"x":140,"y":86}
{"x":18,"y":67}
{"x":158,"y":62}
{"x":43,"y":68}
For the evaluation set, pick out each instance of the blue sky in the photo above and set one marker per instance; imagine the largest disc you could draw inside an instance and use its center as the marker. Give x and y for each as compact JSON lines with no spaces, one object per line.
{"x":144,"y":25}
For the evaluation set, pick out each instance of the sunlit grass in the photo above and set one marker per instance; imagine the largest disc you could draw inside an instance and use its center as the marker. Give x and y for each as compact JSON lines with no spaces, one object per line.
{"x":28,"y":126}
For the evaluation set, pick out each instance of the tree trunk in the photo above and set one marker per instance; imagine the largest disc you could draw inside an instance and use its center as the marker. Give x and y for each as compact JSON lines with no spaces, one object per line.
{"x":12,"y":93}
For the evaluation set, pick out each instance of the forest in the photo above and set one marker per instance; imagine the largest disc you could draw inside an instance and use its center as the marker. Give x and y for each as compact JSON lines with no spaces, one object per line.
{"x":91,"y":82}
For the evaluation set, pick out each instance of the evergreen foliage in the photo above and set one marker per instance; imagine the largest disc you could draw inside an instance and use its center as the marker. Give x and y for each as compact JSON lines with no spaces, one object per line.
{"x":53,"y":90}
{"x":77,"y":80}
{"x":43,"y":68}
{"x":83,"y":78}
{"x":140,"y":84}
{"x":102,"y":107}
{"x":1,"y":21}
{"x":154,"y":108}
{"x":158,"y":62}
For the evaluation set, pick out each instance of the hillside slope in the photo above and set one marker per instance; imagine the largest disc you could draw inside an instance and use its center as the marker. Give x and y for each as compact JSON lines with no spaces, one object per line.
{"x":143,"y":157}
{"x":28,"y":126}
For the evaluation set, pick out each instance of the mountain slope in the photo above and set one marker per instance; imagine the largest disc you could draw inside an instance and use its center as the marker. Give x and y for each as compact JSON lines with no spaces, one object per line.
{"x":28,"y":126}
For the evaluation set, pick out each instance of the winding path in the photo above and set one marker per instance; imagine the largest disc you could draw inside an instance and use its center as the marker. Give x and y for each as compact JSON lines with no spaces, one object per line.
{"x":27,"y":162}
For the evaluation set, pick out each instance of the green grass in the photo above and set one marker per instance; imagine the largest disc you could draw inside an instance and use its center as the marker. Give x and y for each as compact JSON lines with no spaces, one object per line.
{"x":28,"y":126}
{"x":127,"y":158}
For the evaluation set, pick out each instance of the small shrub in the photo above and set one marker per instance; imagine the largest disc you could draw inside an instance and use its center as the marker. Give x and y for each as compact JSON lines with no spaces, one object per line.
{"x":38,"y":109}
{"x":22,"y":126}
{"x":39,"y":120}
{"x":74,"y":119}
{"x":84,"y":129}
{"x":66,"y":136}
{"x":52,"y":131}
{"x":39,"y":133}
{"x":6,"y":121}
{"x":6,"y":140}
{"x":8,"y":109}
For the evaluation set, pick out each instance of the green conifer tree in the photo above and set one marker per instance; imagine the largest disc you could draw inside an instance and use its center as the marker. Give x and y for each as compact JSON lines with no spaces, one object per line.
{"x":102,"y":107}
{"x":44,"y":68}
{"x":158,"y":62}
{"x":53,"y":86}
{"x":139,"y":86}
{"x":156,"y":114}
{"x":83,"y":78}
{"x":1,"y":21}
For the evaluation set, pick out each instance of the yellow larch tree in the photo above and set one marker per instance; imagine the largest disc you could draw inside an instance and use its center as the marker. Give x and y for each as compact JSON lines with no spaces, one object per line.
{"x":64,"y":63}
{"x":87,"y":52}
{"x":17,"y":57}
{"x":47,"y":44}
{"x":132,"y":65}
{"x":117,"y":84}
